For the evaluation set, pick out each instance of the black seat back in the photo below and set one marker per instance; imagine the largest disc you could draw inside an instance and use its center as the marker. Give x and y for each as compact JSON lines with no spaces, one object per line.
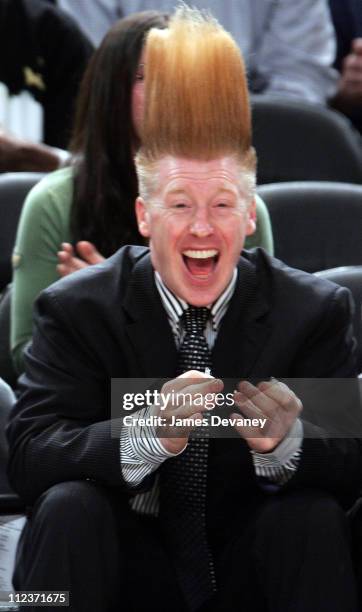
{"x":299,"y":141}
{"x":14,"y":187}
{"x":9,"y":501}
{"x":316,"y":225}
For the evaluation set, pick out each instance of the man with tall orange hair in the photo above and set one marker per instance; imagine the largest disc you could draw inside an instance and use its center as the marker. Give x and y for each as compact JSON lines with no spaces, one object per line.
{"x":188,"y":504}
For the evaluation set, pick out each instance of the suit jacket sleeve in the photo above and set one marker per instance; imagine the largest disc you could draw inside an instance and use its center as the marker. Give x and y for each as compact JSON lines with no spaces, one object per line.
{"x":60,"y":429}
{"x":332,"y":403}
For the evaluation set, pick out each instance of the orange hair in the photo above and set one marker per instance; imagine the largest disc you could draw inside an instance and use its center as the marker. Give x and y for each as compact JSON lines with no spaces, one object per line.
{"x":196,"y":94}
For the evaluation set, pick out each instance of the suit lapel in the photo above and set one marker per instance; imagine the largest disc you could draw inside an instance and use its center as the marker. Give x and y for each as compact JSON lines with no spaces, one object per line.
{"x":243,"y":331}
{"x":148,"y":329}
{"x":241,"y":338}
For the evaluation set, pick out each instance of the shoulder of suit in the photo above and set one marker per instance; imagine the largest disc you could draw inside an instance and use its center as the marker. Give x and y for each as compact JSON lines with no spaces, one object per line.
{"x":102,"y":282}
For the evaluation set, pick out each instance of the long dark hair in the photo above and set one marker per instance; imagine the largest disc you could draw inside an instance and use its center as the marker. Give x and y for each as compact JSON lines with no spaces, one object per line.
{"x":104,"y":140}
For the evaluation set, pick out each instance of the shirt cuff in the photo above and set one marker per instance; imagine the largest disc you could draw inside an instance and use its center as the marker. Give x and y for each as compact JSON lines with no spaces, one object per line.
{"x":279,"y":465}
{"x":141,"y":451}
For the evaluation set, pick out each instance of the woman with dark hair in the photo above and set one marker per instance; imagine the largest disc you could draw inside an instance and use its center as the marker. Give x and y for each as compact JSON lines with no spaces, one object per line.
{"x":106,"y":137}
{"x":93,"y":199}
{"x":87,"y":209}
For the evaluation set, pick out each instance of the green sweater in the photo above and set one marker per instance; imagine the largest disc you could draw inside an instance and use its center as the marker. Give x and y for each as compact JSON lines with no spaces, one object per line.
{"x":43,"y":226}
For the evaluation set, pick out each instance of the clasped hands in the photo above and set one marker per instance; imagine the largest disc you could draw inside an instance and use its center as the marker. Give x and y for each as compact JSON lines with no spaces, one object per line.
{"x":271,"y":400}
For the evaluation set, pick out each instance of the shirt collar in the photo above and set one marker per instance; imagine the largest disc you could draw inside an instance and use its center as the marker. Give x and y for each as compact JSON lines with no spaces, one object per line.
{"x":175,"y":306}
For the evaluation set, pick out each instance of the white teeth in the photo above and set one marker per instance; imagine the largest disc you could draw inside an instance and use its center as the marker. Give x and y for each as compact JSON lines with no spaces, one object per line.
{"x":201,"y":254}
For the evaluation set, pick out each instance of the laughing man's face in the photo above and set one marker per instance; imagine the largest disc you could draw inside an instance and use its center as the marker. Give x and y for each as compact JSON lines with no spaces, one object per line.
{"x":197,"y":221}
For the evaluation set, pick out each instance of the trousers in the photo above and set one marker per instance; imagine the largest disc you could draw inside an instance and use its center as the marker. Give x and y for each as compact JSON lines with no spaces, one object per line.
{"x":291,"y":554}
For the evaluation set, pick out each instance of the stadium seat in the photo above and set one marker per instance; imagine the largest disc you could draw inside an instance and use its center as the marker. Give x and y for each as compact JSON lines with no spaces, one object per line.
{"x":14,"y":187}
{"x":299,"y":141}
{"x":316,"y":225}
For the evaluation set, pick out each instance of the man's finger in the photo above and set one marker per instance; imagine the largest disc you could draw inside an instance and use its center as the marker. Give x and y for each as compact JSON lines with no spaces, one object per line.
{"x":265,"y":404}
{"x":246,"y":432}
{"x":185,"y":411}
{"x":198,"y":382}
{"x":282,"y":395}
{"x":191,"y":421}
{"x":247,"y":406}
{"x":182,"y":404}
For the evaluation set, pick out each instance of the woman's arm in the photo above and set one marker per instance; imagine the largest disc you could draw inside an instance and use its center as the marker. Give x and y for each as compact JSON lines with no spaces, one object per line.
{"x":43,"y":226}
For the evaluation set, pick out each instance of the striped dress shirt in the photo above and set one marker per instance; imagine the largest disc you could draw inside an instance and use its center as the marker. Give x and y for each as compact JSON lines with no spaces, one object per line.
{"x":141,"y":455}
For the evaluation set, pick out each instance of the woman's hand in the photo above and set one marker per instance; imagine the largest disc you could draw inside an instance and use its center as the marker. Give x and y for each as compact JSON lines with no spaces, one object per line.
{"x":84,"y":255}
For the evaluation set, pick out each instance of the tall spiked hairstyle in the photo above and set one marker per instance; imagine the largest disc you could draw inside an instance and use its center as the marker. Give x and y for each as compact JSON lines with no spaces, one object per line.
{"x":196,"y":95}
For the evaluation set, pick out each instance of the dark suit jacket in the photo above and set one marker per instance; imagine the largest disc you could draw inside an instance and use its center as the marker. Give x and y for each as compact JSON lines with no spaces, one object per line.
{"x":108,"y":321}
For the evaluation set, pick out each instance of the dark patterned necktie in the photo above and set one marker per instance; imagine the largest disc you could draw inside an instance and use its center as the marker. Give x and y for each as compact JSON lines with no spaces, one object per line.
{"x":194,"y":353}
{"x":184,"y":480}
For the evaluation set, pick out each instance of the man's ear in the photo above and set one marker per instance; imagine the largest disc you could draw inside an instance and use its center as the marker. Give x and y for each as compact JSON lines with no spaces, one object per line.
{"x":251,"y":222}
{"x":142,"y":216}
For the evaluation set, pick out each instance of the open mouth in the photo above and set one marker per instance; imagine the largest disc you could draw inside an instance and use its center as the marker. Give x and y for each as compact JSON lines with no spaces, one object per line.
{"x":202,"y":263}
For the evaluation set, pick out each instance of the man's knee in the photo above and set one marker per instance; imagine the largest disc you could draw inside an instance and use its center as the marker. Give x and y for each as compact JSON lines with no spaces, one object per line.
{"x":68,"y":521}
{"x":303,"y":514}
{"x":74,"y":501}
{"x":318,"y":509}
{"x":323,"y":512}
{"x":72,"y":513}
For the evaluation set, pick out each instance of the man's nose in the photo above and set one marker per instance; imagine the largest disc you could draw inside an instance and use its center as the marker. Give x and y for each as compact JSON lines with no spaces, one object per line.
{"x":201,"y":225}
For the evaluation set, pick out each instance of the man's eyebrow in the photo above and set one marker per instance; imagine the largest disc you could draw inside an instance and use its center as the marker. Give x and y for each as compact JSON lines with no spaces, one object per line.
{"x":223,"y":190}
{"x":227,"y":189}
{"x":183,"y":191}
{"x":176,"y":191}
